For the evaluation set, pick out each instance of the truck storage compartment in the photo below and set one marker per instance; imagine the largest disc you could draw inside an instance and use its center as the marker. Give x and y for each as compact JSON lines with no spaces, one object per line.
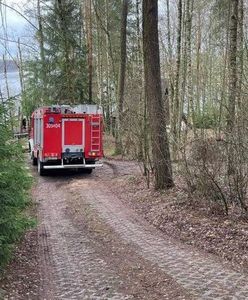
{"x":73,"y":135}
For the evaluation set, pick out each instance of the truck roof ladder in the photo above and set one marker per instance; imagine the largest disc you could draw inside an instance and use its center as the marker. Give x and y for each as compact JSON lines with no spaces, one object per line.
{"x":95,"y":132}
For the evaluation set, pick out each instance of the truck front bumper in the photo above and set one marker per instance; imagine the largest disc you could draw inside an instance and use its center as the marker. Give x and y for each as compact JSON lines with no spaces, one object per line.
{"x":73,"y":166}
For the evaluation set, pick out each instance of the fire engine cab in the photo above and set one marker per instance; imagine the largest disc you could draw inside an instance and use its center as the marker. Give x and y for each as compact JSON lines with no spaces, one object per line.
{"x":64,"y":137}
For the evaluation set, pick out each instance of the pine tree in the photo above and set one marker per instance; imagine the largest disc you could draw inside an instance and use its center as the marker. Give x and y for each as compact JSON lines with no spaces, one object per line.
{"x":61,"y":68}
{"x":14,"y":186}
{"x":157,"y":117}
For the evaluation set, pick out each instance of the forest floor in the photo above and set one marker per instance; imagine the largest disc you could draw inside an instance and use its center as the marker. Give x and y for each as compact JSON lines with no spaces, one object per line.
{"x":96,"y":239}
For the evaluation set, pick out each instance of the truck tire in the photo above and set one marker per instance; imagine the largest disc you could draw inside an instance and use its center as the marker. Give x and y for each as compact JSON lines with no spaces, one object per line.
{"x":41,"y":170}
{"x":88,"y":171}
{"x":34,"y":159}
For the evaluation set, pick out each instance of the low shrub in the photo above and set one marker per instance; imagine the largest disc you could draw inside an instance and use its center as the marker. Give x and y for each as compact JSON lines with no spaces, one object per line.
{"x":209,"y":177}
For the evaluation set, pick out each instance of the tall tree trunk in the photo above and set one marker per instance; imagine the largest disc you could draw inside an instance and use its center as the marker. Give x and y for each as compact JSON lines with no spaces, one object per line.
{"x":66,"y":48}
{"x":88,"y":14}
{"x":142,"y":112}
{"x":42,"y":53}
{"x":109,"y":59}
{"x":189,"y":12}
{"x":138,"y":34}
{"x":99,"y":68}
{"x":198,"y":61}
{"x":11,"y":106}
{"x":240,"y":55}
{"x":169,"y":105}
{"x":5,"y":71}
{"x":184,"y":65}
{"x":176,"y":122}
{"x":21,"y":76}
{"x":232,"y":88}
{"x":122,"y":73}
{"x":157,"y":118}
{"x":232,"y":65}
{"x":224,"y":76}
{"x":108,"y":65}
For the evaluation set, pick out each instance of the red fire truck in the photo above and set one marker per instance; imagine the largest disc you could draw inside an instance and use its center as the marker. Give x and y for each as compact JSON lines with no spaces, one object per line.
{"x":63,"y":137}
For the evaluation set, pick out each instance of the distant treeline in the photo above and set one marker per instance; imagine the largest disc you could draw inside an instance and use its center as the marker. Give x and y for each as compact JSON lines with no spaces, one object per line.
{"x":10,"y":65}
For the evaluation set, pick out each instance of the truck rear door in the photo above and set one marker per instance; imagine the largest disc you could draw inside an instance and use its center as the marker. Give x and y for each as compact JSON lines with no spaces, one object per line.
{"x":73,"y":138}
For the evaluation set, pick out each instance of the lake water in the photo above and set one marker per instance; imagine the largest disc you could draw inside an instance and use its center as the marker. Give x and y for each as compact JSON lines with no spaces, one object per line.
{"x":13,"y":83}
{"x":14,"y":89}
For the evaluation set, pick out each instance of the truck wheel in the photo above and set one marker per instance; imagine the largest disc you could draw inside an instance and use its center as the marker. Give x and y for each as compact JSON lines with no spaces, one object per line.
{"x":41,"y":170}
{"x":34,"y":159}
{"x":88,"y":171}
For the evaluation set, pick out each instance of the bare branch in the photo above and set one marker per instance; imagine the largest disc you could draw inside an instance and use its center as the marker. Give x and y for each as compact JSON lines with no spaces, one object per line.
{"x":19,"y":13}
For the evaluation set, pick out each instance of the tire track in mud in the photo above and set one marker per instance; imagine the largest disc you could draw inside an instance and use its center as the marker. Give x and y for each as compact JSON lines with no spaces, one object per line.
{"x":202,"y":275}
{"x":74,"y":265}
{"x":70,"y":267}
{"x":113,"y":167}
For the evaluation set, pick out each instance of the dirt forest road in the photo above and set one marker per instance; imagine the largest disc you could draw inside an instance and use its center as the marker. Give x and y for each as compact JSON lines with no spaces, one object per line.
{"x":93,"y":246}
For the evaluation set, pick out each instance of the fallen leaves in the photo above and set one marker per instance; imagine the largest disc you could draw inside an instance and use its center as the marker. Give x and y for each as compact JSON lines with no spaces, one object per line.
{"x":188,"y":220}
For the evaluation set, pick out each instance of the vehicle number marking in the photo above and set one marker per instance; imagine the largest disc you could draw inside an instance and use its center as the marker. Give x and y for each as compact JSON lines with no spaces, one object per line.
{"x":52,"y":125}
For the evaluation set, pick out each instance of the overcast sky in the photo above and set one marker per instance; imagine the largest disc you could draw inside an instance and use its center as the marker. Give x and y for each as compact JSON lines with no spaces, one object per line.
{"x":17,"y":26}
